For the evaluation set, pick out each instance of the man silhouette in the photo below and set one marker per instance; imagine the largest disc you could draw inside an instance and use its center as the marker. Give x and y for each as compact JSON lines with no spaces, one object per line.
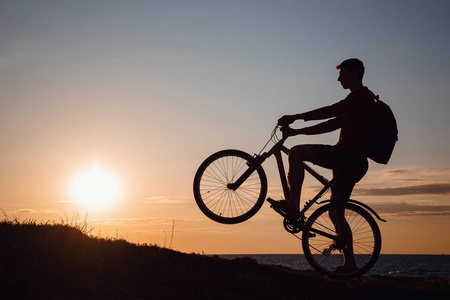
{"x":347,"y":158}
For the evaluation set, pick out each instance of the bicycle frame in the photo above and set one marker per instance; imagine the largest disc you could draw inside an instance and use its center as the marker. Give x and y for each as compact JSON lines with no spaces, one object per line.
{"x":277,"y":151}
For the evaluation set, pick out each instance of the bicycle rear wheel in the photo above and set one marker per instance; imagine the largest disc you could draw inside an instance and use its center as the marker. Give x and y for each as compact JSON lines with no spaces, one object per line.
{"x":326,"y":256}
{"x":220,"y":203}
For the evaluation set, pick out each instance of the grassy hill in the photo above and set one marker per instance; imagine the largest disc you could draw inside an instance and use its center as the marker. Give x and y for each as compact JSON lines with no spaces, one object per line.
{"x":58,"y":261}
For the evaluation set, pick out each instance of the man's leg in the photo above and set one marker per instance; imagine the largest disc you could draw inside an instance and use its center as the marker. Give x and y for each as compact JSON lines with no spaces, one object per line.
{"x":341,"y":193}
{"x":343,"y":229}
{"x":296,"y":174}
{"x":348,"y":166}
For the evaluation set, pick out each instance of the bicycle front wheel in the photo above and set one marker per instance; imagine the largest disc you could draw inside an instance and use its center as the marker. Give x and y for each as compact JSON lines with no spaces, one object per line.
{"x":325,"y":254}
{"x":213,"y":195}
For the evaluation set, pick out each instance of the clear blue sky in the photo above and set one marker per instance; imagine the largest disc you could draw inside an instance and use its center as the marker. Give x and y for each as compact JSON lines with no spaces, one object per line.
{"x":151,"y":88}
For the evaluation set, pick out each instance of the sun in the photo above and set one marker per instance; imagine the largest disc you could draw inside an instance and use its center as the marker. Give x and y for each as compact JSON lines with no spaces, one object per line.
{"x":96,"y":188}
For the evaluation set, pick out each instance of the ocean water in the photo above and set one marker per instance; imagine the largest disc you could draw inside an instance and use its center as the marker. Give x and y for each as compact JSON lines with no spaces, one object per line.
{"x":391,"y":265}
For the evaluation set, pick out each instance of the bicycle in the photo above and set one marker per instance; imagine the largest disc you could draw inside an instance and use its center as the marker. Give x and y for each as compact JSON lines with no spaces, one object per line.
{"x":230,"y":187}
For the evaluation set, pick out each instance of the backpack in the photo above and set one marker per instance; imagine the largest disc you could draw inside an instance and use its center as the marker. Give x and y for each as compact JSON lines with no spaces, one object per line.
{"x":383,"y":133}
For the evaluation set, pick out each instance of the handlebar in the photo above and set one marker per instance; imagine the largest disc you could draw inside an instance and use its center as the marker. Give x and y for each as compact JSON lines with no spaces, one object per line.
{"x":284,"y":128}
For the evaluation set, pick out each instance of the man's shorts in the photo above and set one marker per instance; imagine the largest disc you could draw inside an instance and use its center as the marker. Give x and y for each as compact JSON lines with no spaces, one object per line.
{"x":348,"y":164}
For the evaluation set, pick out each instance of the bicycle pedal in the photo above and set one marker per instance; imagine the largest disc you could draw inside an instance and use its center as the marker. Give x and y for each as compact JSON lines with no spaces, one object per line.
{"x":275,"y":205}
{"x":272,"y":202}
{"x":280,"y":205}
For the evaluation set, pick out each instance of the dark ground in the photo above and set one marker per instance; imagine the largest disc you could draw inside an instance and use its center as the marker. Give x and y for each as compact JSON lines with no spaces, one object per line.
{"x":48,"y":261}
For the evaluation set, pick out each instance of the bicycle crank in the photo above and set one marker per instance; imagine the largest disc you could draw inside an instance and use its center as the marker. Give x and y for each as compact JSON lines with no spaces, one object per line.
{"x":291,"y":222}
{"x":292,"y":227}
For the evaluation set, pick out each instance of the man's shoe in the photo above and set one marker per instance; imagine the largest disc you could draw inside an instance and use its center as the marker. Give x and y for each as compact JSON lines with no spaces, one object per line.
{"x":284,"y":206}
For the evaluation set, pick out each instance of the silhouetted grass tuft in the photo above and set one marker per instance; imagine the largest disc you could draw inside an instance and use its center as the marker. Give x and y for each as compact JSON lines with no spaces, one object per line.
{"x":61,"y":261}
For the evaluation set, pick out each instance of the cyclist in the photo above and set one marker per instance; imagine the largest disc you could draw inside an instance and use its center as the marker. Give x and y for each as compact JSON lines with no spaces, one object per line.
{"x":347,"y":158}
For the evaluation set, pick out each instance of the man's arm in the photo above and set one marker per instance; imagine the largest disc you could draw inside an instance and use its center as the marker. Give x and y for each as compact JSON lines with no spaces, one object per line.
{"x":326,"y":112}
{"x":339,"y":108}
{"x":324,"y":127}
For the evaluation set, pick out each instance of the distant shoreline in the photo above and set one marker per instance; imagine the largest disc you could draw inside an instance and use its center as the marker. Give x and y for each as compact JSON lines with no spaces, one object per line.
{"x":415,"y":265}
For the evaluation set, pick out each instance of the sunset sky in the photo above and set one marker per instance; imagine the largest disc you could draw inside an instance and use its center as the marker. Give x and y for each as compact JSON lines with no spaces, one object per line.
{"x":144,"y":91}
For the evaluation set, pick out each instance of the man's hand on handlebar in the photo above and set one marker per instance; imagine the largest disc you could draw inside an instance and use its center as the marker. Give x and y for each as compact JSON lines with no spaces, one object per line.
{"x":289,"y":119}
{"x":288,"y":131}
{"x":286,"y":120}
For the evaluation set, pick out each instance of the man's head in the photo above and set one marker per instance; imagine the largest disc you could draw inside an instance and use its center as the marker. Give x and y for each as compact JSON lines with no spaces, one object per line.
{"x":351,"y":72}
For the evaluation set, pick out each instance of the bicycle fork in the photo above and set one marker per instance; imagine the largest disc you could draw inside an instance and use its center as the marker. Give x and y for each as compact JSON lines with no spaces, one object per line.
{"x":252,"y":166}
